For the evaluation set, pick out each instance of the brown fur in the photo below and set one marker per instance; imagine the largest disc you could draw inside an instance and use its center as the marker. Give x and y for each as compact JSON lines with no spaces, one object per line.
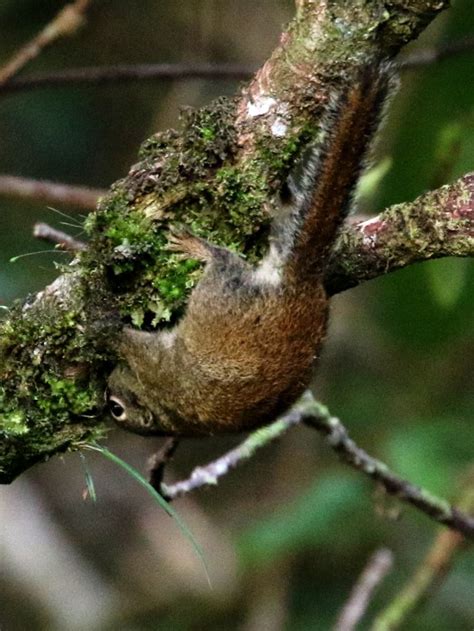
{"x":246,"y":346}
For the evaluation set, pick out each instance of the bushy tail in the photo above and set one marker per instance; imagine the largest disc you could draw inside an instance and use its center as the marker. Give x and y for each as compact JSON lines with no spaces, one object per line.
{"x":321,"y":196}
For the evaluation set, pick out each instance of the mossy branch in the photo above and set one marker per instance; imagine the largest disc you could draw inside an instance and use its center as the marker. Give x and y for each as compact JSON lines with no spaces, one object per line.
{"x":437,"y":224}
{"x":221,"y":176}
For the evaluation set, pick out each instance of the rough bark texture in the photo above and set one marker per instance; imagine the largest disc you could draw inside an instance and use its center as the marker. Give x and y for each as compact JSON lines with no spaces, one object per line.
{"x":220,"y":175}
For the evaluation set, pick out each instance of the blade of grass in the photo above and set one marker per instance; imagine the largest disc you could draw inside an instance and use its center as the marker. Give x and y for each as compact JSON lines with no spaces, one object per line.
{"x":136,"y":475}
{"x":14,"y":259}
{"x":89,"y":480}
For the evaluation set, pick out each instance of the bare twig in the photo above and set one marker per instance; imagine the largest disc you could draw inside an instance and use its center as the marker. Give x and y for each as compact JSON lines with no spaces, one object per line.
{"x":124,"y":73}
{"x":66,"y":22}
{"x":50,"y":192}
{"x":380,"y":563}
{"x":433,"y":569}
{"x":317,"y":416}
{"x":46,"y":232}
{"x":210,"y":473}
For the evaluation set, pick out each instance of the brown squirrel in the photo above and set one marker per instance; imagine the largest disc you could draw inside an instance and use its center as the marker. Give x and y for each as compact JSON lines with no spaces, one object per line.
{"x":245,"y":348}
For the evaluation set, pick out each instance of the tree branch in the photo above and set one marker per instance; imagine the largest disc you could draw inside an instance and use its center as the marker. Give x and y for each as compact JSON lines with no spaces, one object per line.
{"x":435,"y":54}
{"x":432,"y":570}
{"x":380,"y":563}
{"x":50,"y":192}
{"x":338,"y":438}
{"x":210,"y":474}
{"x":69,"y":19}
{"x":318,"y":417}
{"x":47,"y":233}
{"x":437,"y":224}
{"x":125,"y":73}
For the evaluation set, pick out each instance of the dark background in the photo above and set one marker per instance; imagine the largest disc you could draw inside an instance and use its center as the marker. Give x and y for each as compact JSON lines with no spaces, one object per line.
{"x":287,"y":534}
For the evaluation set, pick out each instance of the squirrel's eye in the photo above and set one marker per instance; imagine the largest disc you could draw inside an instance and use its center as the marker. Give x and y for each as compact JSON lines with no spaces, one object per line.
{"x":117,"y":409}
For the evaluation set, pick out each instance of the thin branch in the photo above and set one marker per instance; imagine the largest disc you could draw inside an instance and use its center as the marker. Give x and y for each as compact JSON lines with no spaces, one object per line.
{"x":50,"y":192}
{"x":66,"y":22}
{"x":435,"y":225}
{"x":432,"y":570}
{"x":125,"y":73}
{"x":159,"y":460}
{"x":338,"y":438}
{"x":209,"y":474}
{"x":317,"y":416}
{"x":46,"y":232}
{"x":430,"y":56}
{"x":380,"y":563}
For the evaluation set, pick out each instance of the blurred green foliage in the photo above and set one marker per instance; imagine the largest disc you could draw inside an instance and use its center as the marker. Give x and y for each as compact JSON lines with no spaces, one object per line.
{"x":397,"y":368}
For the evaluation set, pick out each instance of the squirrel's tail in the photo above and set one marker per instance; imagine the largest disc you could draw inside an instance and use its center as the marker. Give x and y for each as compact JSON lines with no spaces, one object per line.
{"x":321,"y":195}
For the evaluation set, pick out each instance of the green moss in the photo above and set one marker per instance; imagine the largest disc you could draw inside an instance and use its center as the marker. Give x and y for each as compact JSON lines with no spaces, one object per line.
{"x":13,"y":423}
{"x":187,"y":179}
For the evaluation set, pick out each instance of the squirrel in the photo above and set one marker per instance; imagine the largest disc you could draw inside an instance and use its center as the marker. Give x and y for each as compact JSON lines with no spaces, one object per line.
{"x":246,"y":346}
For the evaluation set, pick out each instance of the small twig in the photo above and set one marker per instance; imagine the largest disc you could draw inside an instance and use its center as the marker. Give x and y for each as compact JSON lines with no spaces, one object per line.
{"x":66,"y":22}
{"x":123,"y":73}
{"x":438,"y":509}
{"x":317,"y":416}
{"x":432,"y":570}
{"x":50,"y":192}
{"x":158,"y":462}
{"x":52,"y":235}
{"x":429,"y":56}
{"x":209,"y":474}
{"x":102,"y":75}
{"x":380,"y":563}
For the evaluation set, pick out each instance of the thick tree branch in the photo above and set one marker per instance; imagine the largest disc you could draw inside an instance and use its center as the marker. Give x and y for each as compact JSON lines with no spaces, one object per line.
{"x":437,"y":224}
{"x":230,"y":160}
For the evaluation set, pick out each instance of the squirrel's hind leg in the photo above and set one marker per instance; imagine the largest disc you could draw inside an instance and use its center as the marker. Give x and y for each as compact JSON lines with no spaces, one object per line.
{"x":183,"y":241}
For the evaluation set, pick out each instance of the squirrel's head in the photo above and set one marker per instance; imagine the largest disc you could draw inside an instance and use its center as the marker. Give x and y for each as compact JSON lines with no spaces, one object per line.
{"x":126,"y":402}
